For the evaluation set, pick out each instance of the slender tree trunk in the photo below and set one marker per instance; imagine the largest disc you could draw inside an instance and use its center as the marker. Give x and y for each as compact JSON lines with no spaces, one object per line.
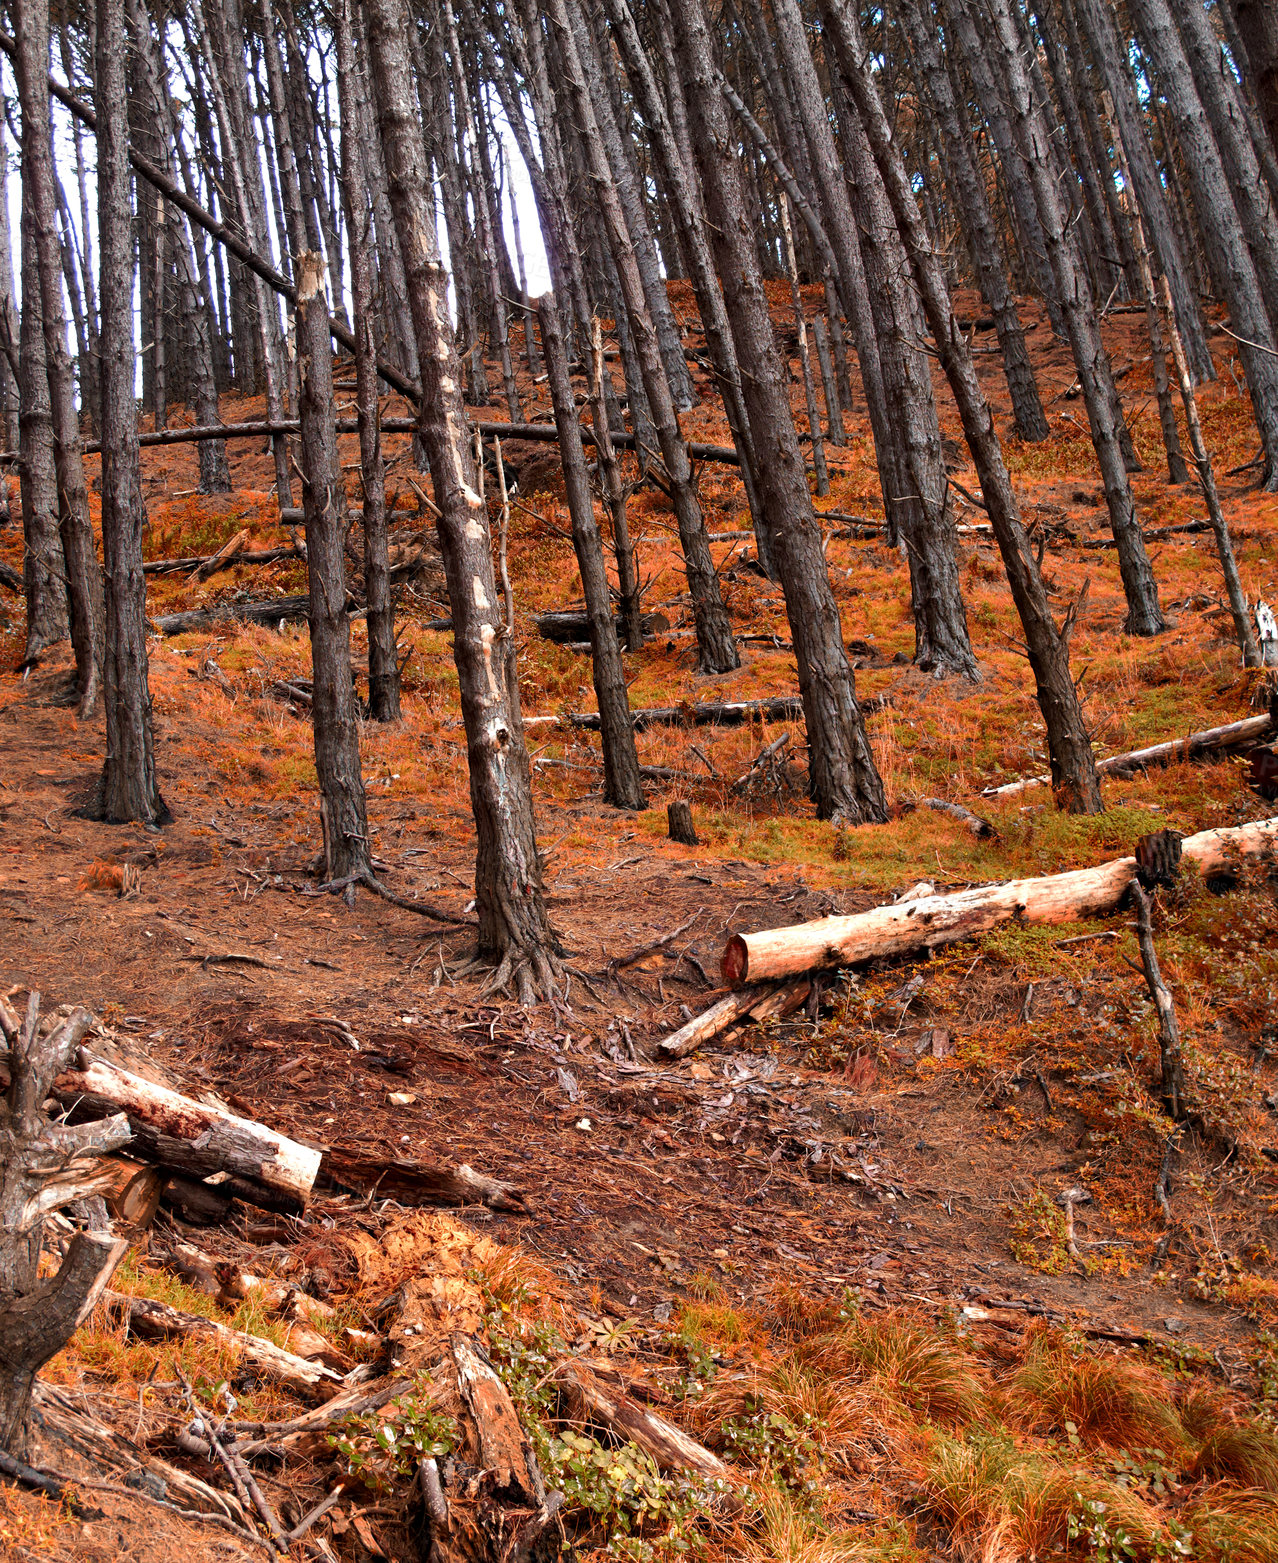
{"x":129,"y":789}
{"x":1233,"y":262}
{"x":829,"y":385}
{"x":622,"y":786}
{"x":1074,"y":778}
{"x":969,"y":193}
{"x":1258,"y":24}
{"x":614,"y":495}
{"x":383,"y":665}
{"x":715,"y":644}
{"x":805,"y":356}
{"x":842,"y":777}
{"x":43,"y":577}
{"x":1078,"y":311}
{"x":343,"y":815}
{"x":513,"y":925}
{"x":40,"y":211}
{"x":8,"y":311}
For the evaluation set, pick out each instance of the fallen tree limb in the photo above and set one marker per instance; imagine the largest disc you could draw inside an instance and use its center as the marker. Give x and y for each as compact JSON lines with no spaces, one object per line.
{"x":419,"y":1183}
{"x":980,"y":828}
{"x":1233,"y":735}
{"x":783,"y":708}
{"x":759,"y":1003}
{"x":908,"y":927}
{"x":592,"y":1399}
{"x":177,"y":1131}
{"x":269,"y":613}
{"x":223,"y":561}
{"x":569,"y":627}
{"x":152,"y":1320}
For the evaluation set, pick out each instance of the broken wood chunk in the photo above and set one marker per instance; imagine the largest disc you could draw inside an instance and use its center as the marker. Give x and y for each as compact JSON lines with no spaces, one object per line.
{"x":591,"y":1399}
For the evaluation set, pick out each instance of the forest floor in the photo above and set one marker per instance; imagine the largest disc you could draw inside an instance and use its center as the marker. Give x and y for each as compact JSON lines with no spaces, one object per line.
{"x":776,"y":1210}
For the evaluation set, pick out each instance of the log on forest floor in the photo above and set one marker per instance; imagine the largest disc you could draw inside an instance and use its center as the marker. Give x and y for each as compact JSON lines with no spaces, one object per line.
{"x":910,"y":927}
{"x":419,"y":1183}
{"x":270,"y":613}
{"x":1211,"y":740}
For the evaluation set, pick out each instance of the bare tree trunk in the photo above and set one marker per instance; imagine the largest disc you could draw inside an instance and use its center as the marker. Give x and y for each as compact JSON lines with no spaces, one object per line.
{"x":842,"y":778}
{"x":805,"y":356}
{"x":129,"y":789}
{"x":8,"y":311}
{"x":347,"y":853}
{"x":715,"y":644}
{"x":622,"y":785}
{"x":1074,"y":778}
{"x":383,"y":665}
{"x":1258,"y":24}
{"x":39,"y":207}
{"x":513,"y":925}
{"x":1082,"y":326}
{"x":1233,"y":261}
{"x":969,"y":193}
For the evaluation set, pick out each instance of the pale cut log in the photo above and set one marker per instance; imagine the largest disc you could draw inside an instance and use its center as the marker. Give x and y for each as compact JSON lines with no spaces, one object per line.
{"x":153,"y":1320}
{"x":908,"y":927}
{"x":133,"y":1193}
{"x":670,"y":1447}
{"x":714,"y":1020}
{"x":1233,"y":735}
{"x":420,"y":1183}
{"x":178,"y":1132}
{"x":236,"y":1285}
{"x":502,"y":1448}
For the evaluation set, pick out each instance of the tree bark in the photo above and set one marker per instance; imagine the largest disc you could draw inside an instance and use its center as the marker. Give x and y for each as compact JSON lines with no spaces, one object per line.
{"x":843,"y":780}
{"x":343,"y":814}
{"x":622,"y":786}
{"x":513,"y":924}
{"x":383,"y":662}
{"x":1258,"y":24}
{"x":129,"y":788}
{"x":1073,"y":766}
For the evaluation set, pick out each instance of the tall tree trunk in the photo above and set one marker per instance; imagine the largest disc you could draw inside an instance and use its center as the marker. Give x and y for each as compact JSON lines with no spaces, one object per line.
{"x":43,"y":579}
{"x":383,"y":665}
{"x":40,"y":212}
{"x":716,"y":647}
{"x":622,"y":786}
{"x":343,"y":815}
{"x":1074,"y":778}
{"x":842,"y":778}
{"x":8,"y":310}
{"x":1082,"y":326}
{"x":1217,"y":215}
{"x":805,"y":355}
{"x":968,"y":188}
{"x":129,"y":789}
{"x":1258,"y":24}
{"x":513,"y":925}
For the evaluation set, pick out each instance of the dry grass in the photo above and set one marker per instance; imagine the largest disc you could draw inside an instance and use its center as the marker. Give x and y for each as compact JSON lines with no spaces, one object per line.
{"x":1232,"y":1526}
{"x":1244,"y":1453}
{"x":909,"y":1363}
{"x":1102,"y":1401}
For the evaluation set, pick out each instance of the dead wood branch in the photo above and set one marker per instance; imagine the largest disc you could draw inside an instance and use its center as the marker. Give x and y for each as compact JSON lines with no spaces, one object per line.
{"x":645,"y":950}
{"x":1172,"y":1082}
{"x":912,"y":926}
{"x":593,"y":1396}
{"x":421,"y":1183}
{"x":1212,"y":740}
{"x":980,"y":828}
{"x":757,"y":1003}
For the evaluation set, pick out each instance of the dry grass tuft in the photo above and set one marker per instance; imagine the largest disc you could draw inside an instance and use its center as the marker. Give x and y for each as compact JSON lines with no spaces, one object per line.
{"x":1105,"y":1402}
{"x":1229,"y":1526}
{"x":785,"y":1532}
{"x":911,"y":1363}
{"x":1244,"y":1453}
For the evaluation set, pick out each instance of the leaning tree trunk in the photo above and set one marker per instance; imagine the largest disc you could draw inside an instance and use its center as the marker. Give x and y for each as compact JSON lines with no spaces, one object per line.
{"x":343,"y":816}
{"x":842,"y":777}
{"x":1258,"y":24}
{"x":513,"y":923}
{"x":622,"y":785}
{"x":83,"y":577}
{"x":45,"y":1166}
{"x":129,"y":790}
{"x":1073,"y":765}
{"x":383,"y":664}
{"x":1082,"y":327}
{"x":1233,"y":262}
{"x":717,"y":649}
{"x":969,"y":194}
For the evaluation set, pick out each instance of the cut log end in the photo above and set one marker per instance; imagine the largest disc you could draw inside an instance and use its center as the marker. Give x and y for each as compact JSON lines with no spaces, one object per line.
{"x":736,"y":961}
{"x":679,"y":822}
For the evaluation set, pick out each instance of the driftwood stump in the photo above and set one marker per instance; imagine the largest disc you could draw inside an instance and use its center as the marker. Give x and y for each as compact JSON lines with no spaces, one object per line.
{"x":44,"y":1166}
{"x":681,"y":828}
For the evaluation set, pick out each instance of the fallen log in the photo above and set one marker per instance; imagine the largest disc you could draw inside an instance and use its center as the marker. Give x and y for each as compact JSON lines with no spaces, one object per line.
{"x":132,"y":1194}
{"x":980,"y":828}
{"x":592,"y":1399}
{"x":716,"y":1019}
{"x":782,"y":708}
{"x":193,"y":1137}
{"x":152,"y":1320}
{"x":224,"y":561}
{"x":908,"y":927}
{"x":1233,"y":735}
{"x":419,"y":1183}
{"x":273,"y":611}
{"x":568,"y":626}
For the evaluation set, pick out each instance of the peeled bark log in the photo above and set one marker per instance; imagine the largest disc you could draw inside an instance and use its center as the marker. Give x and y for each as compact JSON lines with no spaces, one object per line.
{"x":503,"y":1450}
{"x":151,"y":1320}
{"x":908,"y":927}
{"x":178,"y":1132}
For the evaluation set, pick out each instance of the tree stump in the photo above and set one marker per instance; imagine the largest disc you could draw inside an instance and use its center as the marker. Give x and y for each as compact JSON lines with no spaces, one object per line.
{"x":681,"y":828}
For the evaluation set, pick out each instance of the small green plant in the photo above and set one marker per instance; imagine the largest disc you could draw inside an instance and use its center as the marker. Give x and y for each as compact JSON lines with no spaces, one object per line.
{"x":1038,"y":1235}
{"x":1146,"y":1469}
{"x":775,"y":1446}
{"x":380,"y":1446}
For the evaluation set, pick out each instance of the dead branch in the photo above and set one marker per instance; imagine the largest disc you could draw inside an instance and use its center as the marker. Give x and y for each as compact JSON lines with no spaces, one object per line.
{"x":1172,"y":1083}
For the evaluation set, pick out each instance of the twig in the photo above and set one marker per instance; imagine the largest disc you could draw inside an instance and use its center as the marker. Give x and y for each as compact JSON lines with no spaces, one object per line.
{"x":1172,"y":1085}
{"x":657,"y":944}
{"x":317,"y":1513}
